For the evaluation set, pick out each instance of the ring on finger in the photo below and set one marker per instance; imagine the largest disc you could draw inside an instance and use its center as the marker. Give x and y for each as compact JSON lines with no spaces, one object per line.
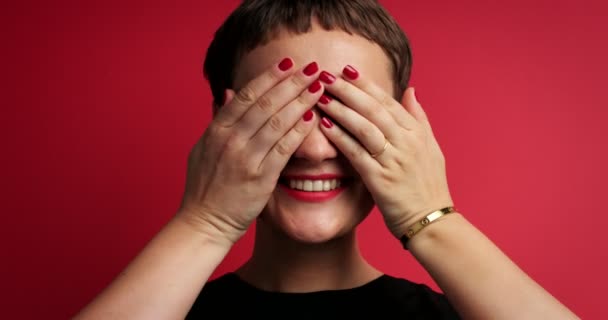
{"x":377,"y":154}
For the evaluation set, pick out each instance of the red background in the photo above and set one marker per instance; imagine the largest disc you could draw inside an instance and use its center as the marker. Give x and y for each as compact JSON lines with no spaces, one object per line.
{"x":102,"y":101}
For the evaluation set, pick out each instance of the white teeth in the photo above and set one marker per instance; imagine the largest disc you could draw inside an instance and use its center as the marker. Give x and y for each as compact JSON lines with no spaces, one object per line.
{"x":307,"y":185}
{"x":314,"y":185}
{"x":317,"y":185}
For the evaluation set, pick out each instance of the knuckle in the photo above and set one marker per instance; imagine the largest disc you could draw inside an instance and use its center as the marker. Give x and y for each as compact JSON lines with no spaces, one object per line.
{"x":214,"y":131}
{"x":246,"y":95}
{"x":300,"y":129}
{"x":250,"y":172}
{"x":283,"y":148}
{"x":233,"y":143}
{"x":302,"y":100}
{"x":298,"y":81}
{"x":386,"y":100}
{"x":276,"y":123}
{"x":341,"y":86}
{"x":356,"y":152}
{"x":364,"y":133}
{"x":273,"y":75}
{"x":264,"y":103}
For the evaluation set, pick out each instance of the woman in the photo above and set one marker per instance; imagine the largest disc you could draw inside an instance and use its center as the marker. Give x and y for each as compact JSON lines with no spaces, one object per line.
{"x":307,"y":136}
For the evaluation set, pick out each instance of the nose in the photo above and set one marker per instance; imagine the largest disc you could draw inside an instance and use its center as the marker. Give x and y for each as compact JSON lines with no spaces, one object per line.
{"x":316,"y":148}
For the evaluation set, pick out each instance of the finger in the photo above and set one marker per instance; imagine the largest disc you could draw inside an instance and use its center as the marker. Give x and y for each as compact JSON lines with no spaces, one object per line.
{"x":400,"y":115}
{"x":228,"y":96}
{"x":285,"y":147}
{"x":276,"y":99}
{"x":235,"y":108}
{"x":413,"y":107}
{"x":281,"y":122}
{"x":368,"y":135}
{"x":361,"y":102}
{"x":357,"y":155}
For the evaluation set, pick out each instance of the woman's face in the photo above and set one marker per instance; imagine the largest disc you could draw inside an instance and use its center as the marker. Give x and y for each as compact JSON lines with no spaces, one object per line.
{"x":315,"y":217}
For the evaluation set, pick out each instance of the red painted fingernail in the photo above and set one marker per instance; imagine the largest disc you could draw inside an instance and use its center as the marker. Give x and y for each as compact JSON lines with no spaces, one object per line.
{"x":327,"y":77}
{"x":285,"y":64}
{"x":324,"y":99}
{"x":314,"y":87}
{"x":350,"y":72}
{"x":308,"y":115}
{"x":327,"y":123}
{"x":311,"y":69}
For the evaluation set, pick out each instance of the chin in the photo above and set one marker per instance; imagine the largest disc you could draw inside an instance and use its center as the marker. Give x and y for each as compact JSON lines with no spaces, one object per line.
{"x":317,"y":222}
{"x":315,"y":229}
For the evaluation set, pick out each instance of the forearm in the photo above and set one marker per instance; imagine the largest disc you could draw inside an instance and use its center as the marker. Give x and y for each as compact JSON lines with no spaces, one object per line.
{"x":163,"y":281}
{"x":480,"y":281}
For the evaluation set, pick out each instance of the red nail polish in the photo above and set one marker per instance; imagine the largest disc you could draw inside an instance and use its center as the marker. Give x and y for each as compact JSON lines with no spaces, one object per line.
{"x":327,"y":123}
{"x":314,"y":87}
{"x":350,"y":72}
{"x":327,"y":77}
{"x":285,"y":64}
{"x":325,"y":99}
{"x":311,"y":69}
{"x":308,"y":116}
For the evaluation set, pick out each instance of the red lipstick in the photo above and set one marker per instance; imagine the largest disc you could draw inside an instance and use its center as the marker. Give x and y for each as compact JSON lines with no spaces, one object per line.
{"x":312,"y":196}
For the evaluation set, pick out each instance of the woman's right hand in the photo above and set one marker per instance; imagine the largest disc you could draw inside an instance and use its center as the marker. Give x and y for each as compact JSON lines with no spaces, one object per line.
{"x":235,"y":166}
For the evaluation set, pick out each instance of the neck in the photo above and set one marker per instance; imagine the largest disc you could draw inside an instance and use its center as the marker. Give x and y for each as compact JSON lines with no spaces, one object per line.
{"x":281,"y":264}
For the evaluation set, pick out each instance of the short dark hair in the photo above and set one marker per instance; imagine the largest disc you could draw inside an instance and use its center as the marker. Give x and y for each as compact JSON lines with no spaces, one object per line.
{"x":256,"y":22}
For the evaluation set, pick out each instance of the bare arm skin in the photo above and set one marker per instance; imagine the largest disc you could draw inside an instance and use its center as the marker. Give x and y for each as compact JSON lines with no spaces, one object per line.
{"x":392,"y":147}
{"x":232,"y":172}
{"x":477,"y":277}
{"x":163,"y":281}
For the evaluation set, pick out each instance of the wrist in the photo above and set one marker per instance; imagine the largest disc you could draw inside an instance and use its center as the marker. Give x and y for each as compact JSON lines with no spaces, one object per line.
{"x":209,"y":228}
{"x":420,"y":222}
{"x":400,"y":228}
{"x":441,"y":233}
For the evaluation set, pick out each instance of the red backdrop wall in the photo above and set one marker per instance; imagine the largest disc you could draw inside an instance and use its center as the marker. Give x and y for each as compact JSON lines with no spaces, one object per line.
{"x":101,"y":102}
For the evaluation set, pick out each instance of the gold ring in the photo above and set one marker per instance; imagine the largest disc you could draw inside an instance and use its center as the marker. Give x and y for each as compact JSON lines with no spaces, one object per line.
{"x":375,"y":155}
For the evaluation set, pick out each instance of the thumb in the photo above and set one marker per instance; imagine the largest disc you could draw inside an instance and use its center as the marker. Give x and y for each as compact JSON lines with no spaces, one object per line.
{"x":411,"y":104}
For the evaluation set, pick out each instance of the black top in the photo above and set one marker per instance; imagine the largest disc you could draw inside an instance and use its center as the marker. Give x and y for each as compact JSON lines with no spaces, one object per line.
{"x":229,"y":297}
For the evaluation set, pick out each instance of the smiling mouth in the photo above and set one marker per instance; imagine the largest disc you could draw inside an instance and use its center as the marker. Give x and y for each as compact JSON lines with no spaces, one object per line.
{"x":314,"y":185}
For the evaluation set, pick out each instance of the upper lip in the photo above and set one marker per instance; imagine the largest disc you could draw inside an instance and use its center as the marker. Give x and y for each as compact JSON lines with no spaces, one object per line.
{"x":323,"y":176}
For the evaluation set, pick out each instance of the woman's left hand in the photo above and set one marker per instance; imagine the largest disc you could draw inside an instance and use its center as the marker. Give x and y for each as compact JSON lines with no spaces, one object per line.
{"x":391,"y":146}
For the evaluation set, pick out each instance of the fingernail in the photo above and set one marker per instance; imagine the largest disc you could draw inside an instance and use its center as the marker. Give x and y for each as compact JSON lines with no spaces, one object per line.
{"x":308,"y":116}
{"x":350,"y":72}
{"x":285,"y":64}
{"x":314,"y":87}
{"x":327,"y":77}
{"x":327,"y":123}
{"x":311,"y":69}
{"x":324,"y":99}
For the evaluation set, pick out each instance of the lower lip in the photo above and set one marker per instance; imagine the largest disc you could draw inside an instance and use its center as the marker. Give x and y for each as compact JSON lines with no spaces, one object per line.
{"x":308,"y":196}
